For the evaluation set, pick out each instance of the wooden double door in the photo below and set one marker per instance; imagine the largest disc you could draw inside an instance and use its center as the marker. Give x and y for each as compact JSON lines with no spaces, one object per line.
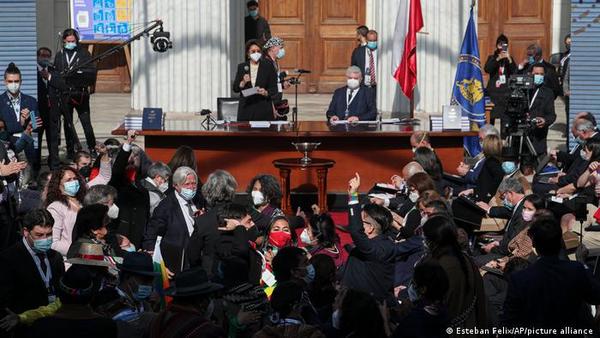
{"x":319,"y":35}
{"x":523,"y":21}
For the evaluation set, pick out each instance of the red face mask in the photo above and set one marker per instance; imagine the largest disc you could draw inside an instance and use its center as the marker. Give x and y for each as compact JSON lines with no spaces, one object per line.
{"x":280,"y":239}
{"x":130,"y":173}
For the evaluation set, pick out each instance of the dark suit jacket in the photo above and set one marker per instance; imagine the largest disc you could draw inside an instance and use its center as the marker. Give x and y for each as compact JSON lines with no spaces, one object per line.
{"x":204,"y":240}
{"x":43,"y":103}
{"x":257,"y":107}
{"x":85,"y":77}
{"x":551,"y":293}
{"x":358,"y":58}
{"x":168,"y":221}
{"x":7,"y":112}
{"x":21,"y":287}
{"x":257,"y":29}
{"x":550,"y":76}
{"x":363,"y":104}
{"x":514,"y":225}
{"x":370,"y":266}
{"x":489,"y":179}
{"x":543,"y":106}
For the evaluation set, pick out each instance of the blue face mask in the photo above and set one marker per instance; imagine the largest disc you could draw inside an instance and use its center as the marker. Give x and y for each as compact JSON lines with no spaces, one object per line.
{"x":531,"y":60}
{"x":538,"y":79}
{"x":42,"y":245}
{"x":281,"y":53}
{"x":372,"y":45}
{"x":187,"y":194}
{"x":509,"y":167}
{"x":253,"y":13}
{"x":507,"y":204}
{"x":413,"y":295}
{"x":70,"y":45}
{"x":310,"y":274}
{"x":71,"y":188}
{"x":143,"y":292}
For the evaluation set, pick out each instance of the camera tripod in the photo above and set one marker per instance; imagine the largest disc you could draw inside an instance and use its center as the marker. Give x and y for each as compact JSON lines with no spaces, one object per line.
{"x":524,"y":142}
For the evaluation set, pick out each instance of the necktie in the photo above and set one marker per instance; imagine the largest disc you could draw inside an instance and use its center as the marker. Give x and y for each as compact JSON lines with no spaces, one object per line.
{"x":348,"y":104}
{"x":190,"y":210}
{"x":372,"y":69}
{"x":42,"y":257}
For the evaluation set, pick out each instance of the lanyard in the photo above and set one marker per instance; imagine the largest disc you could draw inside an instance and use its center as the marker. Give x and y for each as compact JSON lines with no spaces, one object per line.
{"x":534,"y":96}
{"x":71,"y":60}
{"x":349,"y":101}
{"x":46,"y":277}
{"x":16,"y":105}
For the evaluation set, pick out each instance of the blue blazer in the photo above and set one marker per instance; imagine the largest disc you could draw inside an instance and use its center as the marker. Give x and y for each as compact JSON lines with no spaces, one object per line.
{"x":363,"y":104}
{"x":359,"y":59}
{"x":7,"y":113}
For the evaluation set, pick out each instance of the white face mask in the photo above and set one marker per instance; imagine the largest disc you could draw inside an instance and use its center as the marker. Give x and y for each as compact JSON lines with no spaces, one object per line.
{"x":13,"y":87}
{"x":305,"y":237}
{"x":255,"y":56}
{"x":528,"y":215}
{"x":258,"y":198}
{"x":353,"y":83}
{"x":113,"y":212}
{"x":163,"y":187}
{"x":413,"y":196}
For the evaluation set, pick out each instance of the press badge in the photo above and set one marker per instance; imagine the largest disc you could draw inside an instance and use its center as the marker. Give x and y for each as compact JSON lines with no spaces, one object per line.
{"x":501,"y":80}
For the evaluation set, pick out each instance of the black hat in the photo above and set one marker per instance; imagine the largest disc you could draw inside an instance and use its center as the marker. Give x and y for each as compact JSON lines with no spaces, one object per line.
{"x":192,"y":282}
{"x":138,"y":263}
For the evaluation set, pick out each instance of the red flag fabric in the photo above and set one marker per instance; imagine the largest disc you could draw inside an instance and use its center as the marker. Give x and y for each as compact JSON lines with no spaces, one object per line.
{"x":409,"y":21}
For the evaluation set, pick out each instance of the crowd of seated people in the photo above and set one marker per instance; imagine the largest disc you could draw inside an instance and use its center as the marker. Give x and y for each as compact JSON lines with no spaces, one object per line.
{"x":412,"y":263}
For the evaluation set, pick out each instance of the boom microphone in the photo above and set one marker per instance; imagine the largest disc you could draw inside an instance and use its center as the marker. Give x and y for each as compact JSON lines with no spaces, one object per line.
{"x":302,"y":71}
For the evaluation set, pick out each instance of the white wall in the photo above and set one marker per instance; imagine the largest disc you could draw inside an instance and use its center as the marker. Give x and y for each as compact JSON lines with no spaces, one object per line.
{"x":561,"y":23}
{"x":207,"y":42}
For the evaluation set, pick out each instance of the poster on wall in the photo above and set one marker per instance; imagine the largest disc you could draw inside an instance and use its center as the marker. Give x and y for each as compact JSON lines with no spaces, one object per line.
{"x":101,"y":20}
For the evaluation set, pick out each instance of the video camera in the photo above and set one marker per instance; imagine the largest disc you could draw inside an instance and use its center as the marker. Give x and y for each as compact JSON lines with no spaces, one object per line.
{"x":518,"y":103}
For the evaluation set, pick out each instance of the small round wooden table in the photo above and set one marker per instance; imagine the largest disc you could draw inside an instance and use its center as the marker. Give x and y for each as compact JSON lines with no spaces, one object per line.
{"x":286,"y":165}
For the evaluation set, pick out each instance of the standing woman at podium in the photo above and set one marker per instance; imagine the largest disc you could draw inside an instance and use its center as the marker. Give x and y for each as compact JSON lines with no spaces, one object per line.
{"x":258,"y":73}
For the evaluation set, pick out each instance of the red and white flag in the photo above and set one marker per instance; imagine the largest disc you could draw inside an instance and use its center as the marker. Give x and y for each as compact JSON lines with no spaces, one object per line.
{"x":409,"y":21}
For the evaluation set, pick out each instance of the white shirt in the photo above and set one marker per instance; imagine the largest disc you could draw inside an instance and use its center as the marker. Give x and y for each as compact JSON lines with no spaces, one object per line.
{"x":366,"y":70}
{"x":253,"y":73}
{"x":15,"y":103}
{"x":189,"y":220}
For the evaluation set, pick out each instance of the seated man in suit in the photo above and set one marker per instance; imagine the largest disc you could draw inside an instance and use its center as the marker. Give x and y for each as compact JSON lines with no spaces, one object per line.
{"x":550,"y":293}
{"x":31,"y":269}
{"x":174,"y":220}
{"x":512,"y":209}
{"x":353,"y":102}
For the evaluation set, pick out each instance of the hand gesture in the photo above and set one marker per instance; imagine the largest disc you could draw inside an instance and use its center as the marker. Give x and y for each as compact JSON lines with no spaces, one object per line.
{"x":246,"y":78}
{"x":353,"y":119}
{"x":131,"y":134}
{"x":466,"y":192}
{"x":463,"y":169}
{"x":397,"y":181}
{"x":594,"y":166}
{"x":10,"y":321}
{"x":315,"y":209}
{"x":24,"y":114}
{"x":12,"y":168}
{"x":483,"y":206}
{"x":354,"y":184}
{"x":334,"y":118}
{"x":262,"y":91}
{"x":230,"y":225}
{"x":301,"y":213}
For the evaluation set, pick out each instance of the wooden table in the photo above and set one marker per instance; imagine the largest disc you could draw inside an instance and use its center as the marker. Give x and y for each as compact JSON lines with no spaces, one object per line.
{"x":376,"y":151}
{"x":286,"y":165}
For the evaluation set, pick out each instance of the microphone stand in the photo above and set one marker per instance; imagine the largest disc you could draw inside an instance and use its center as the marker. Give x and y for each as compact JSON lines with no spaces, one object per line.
{"x":296,"y":83}
{"x":69,"y":71}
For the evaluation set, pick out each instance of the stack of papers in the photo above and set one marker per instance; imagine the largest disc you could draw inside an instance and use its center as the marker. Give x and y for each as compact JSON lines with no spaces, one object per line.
{"x":132,"y":122}
{"x":437,"y":123}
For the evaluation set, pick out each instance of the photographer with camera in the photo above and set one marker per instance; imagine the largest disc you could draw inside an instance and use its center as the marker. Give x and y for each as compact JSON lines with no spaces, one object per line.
{"x":541,"y":109}
{"x":500,"y":66}
{"x":69,"y":89}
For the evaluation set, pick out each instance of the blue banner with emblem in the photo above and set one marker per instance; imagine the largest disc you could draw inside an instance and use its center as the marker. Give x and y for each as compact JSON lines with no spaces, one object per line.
{"x":467,"y":90}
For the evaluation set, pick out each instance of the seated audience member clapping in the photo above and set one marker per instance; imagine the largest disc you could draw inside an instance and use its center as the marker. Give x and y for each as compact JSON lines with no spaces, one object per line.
{"x":66,"y":190}
{"x":319,"y":237}
{"x":551,"y":293}
{"x":353,"y":102}
{"x":370,"y":266}
{"x":465,"y":298}
{"x":428,"y":316}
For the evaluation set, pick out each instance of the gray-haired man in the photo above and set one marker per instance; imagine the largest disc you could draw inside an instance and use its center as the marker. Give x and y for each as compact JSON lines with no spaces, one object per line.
{"x":352,"y":102}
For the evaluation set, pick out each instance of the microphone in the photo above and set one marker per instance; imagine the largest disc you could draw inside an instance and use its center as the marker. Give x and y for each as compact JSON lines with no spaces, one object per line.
{"x":302,"y":71}
{"x":204,"y":112}
{"x":246,"y":69}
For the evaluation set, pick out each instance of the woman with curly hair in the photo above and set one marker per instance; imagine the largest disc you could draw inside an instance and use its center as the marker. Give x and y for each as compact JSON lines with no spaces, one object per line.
{"x":66,"y":190}
{"x":265,"y":194}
